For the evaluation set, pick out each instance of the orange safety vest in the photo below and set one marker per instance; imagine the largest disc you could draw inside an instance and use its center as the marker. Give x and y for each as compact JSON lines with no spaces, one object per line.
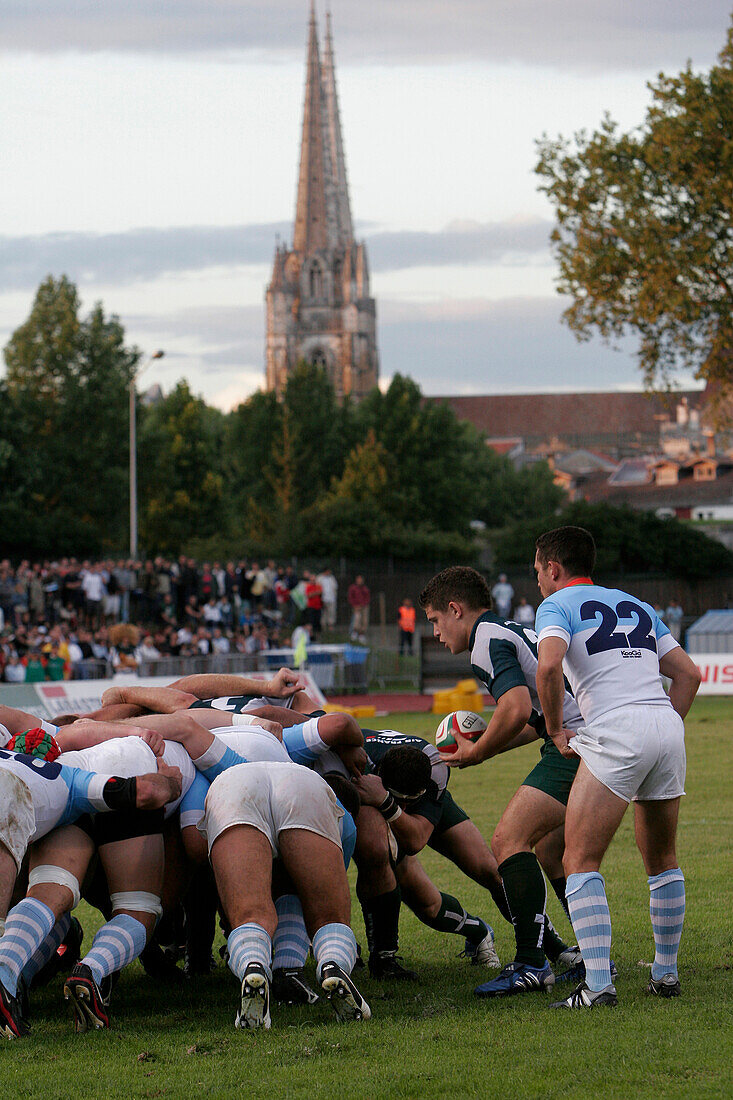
{"x":407,"y":619}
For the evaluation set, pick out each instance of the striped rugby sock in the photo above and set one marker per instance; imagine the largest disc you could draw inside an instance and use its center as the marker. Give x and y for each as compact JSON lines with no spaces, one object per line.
{"x":115,"y":945}
{"x":667,"y":911}
{"x":27,"y":925}
{"x":586,"y":895}
{"x":291,"y":942}
{"x":334,"y":943}
{"x":47,"y":949}
{"x":249,"y":943}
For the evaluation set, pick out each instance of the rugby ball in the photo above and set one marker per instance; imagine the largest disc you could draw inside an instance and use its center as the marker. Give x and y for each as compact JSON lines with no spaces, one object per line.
{"x":464,"y":722}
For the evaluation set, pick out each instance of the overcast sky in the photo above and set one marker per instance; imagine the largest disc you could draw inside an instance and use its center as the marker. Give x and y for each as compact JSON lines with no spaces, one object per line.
{"x":150,"y":152}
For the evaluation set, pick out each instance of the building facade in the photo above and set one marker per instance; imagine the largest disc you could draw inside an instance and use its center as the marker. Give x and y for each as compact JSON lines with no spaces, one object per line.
{"x":319,"y":308}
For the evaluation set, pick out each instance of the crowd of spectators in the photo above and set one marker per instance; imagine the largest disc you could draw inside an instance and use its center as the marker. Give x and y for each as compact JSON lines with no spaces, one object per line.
{"x":59,"y":617}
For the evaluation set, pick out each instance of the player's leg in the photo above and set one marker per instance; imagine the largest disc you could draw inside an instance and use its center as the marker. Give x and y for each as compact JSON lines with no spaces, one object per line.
{"x":445,"y":913}
{"x":316,"y":866}
{"x":17,"y":823}
{"x":290,"y":943}
{"x":550,"y":850}
{"x":8,"y":875}
{"x":594,"y":813}
{"x":57,"y":866}
{"x":134,"y":870}
{"x":457,"y":838}
{"x":656,"y":831}
{"x":241,"y":858}
{"x":379,"y":894}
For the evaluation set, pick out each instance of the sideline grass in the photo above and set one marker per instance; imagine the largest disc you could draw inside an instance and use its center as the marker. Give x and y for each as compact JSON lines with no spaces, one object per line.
{"x":434,"y":1039}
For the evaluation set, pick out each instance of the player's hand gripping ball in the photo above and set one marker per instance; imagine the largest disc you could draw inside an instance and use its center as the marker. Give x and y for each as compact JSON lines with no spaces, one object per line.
{"x":464,"y":722}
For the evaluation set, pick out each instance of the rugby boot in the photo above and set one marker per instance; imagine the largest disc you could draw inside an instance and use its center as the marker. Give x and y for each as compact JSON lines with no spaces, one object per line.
{"x":666,"y":986}
{"x":88,"y":1000}
{"x":518,"y":978}
{"x":12,"y":1023}
{"x":582,"y":997}
{"x":385,"y":964}
{"x":289,"y":987}
{"x":254,"y":1005}
{"x":345,"y":998}
{"x":483,"y":953}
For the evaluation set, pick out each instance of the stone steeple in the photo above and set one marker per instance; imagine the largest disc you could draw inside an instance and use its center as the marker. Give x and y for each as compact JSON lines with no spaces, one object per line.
{"x":318,"y":303}
{"x":344,"y":228}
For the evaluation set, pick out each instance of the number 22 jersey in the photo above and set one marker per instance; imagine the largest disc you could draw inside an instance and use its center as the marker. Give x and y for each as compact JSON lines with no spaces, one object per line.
{"x":615,"y":643}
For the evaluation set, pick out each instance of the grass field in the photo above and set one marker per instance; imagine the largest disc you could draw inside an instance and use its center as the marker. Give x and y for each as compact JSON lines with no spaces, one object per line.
{"x":434,"y":1038}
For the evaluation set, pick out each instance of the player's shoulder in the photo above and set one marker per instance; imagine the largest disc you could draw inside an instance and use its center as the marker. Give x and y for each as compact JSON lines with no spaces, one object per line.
{"x":490,"y":628}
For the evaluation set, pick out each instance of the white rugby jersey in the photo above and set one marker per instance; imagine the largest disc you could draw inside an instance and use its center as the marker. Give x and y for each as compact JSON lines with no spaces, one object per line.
{"x":504,"y":656}
{"x":60,"y":794}
{"x":128,"y":756}
{"x":614,"y":645}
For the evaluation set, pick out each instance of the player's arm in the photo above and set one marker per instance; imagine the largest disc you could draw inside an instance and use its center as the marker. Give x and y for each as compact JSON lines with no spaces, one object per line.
{"x":284,"y":715}
{"x":213,"y":685}
{"x":17,"y":721}
{"x":685,"y":677}
{"x":339,"y":733}
{"x":86,"y":732}
{"x":411,"y":831}
{"x":507,"y":728}
{"x":158,"y":700}
{"x":551,"y":690}
{"x":180,"y":726}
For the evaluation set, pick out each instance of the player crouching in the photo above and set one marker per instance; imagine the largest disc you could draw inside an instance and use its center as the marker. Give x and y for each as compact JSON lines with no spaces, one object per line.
{"x":257,"y":813}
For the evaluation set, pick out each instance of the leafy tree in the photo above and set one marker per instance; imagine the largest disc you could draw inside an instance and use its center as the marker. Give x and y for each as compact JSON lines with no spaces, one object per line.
{"x":252,"y":431}
{"x":627,"y":541}
{"x":181,"y":485}
{"x":67,"y":390}
{"x":644,"y":234}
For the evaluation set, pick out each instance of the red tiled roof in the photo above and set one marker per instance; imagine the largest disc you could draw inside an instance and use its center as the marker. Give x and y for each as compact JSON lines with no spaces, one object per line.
{"x":685,"y":494}
{"x":548,"y":414}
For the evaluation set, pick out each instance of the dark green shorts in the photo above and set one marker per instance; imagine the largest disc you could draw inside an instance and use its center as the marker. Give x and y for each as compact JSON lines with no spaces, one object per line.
{"x":554,"y":774}
{"x":452,"y":815}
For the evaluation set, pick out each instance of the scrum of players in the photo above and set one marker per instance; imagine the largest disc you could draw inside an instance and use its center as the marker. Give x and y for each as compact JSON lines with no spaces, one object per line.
{"x":219,"y":794}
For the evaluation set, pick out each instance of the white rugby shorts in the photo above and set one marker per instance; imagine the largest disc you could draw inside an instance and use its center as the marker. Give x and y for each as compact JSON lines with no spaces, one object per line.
{"x":637,"y":752}
{"x":17,"y":816}
{"x":273,"y":797}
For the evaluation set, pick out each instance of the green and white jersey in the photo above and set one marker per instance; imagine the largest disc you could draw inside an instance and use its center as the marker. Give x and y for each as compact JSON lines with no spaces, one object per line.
{"x":504,"y":656}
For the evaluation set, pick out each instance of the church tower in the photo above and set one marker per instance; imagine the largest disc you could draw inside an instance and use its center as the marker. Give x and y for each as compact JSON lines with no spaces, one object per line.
{"x":318,"y":303}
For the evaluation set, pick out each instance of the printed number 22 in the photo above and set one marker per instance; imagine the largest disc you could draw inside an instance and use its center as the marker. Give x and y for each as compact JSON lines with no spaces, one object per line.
{"x":607,"y":637}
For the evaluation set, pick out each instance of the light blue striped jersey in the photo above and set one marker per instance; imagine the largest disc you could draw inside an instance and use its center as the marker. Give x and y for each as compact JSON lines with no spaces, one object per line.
{"x":60,"y":794}
{"x":614,"y":645}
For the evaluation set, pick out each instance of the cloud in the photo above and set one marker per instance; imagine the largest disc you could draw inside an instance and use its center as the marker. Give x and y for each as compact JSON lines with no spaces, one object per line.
{"x":510,"y":346}
{"x":449,"y":347}
{"x":575,"y":34}
{"x":133,"y":256}
{"x":143,"y":254}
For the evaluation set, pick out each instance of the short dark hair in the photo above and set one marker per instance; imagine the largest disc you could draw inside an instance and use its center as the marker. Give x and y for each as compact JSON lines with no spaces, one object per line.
{"x":457,"y":583}
{"x":406,"y":769}
{"x":345,"y":791}
{"x":572,"y":547}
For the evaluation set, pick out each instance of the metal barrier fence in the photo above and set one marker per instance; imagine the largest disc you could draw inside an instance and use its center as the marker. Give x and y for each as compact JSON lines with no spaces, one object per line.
{"x":336,"y":669}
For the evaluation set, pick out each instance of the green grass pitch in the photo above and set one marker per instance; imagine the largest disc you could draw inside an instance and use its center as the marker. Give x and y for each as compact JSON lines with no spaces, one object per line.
{"x":433,"y":1038}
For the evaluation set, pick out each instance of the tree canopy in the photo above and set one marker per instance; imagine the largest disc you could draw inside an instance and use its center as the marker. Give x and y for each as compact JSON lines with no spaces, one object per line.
{"x":644,"y":234}
{"x":65,"y":452}
{"x":627,"y":542}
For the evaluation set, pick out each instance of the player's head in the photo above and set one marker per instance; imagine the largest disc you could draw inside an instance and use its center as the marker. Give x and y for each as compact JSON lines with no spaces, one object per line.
{"x":405,"y":772}
{"x":562,"y":554}
{"x":345,"y":791}
{"x":452,"y":602}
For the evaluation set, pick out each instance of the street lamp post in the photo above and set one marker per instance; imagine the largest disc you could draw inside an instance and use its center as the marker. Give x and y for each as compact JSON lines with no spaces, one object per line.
{"x":133,"y":452}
